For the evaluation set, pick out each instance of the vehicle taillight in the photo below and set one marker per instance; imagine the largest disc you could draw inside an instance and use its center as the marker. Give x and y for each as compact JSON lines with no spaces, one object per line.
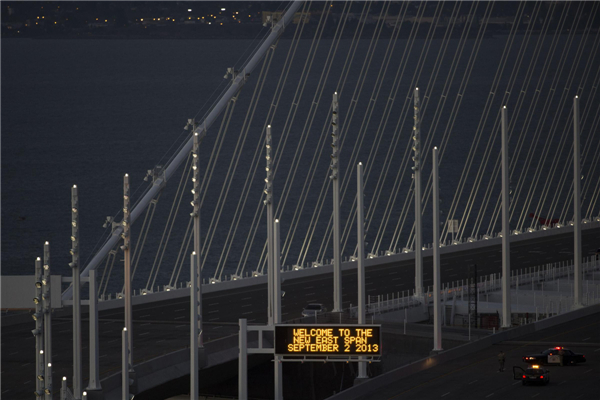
{"x":524,"y":376}
{"x":541,"y":376}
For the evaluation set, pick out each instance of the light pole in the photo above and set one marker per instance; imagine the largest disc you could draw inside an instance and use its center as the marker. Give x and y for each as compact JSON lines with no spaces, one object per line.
{"x":506,"y":309}
{"x":417,"y":177}
{"x":335,"y":171}
{"x":437,"y":327}
{"x":360,"y":225}
{"x":77,"y":380}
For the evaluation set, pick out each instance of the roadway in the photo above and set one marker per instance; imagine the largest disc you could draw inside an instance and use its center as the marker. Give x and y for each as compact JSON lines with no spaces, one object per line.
{"x":476,"y":376}
{"x":163,"y":327}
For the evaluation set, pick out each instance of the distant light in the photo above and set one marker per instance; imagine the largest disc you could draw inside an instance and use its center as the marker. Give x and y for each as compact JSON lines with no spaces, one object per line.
{"x":222,"y":9}
{"x":189,"y":10}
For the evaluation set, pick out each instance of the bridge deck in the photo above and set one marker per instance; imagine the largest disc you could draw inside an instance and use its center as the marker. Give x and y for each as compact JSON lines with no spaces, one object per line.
{"x":163,"y":327}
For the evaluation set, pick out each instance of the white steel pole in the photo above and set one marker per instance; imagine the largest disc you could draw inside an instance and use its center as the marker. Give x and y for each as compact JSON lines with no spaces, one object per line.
{"x":124,"y":365}
{"x":506,"y":309}
{"x":63,"y":388}
{"x":39,"y":329}
{"x":46,"y":295}
{"x":577,"y":202}
{"x":360,"y":224}
{"x":417,"y":177}
{"x":77,"y":379}
{"x":269,"y":204}
{"x":437,"y":327}
{"x":243,"y":361}
{"x":127,"y":273}
{"x":193,"y":327}
{"x":278,"y":378}
{"x":197,"y":308}
{"x":335,"y":172}
{"x":94,"y":382}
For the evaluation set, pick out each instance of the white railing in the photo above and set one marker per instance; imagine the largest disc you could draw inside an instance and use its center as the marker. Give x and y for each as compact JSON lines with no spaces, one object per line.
{"x":541,"y":283}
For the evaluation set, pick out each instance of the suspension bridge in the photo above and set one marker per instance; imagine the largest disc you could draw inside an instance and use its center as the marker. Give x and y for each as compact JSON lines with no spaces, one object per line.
{"x":281,"y":136}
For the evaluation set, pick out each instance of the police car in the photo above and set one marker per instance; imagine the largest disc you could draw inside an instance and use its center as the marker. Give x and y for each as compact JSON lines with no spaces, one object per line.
{"x":552,"y":356}
{"x":533,"y":374}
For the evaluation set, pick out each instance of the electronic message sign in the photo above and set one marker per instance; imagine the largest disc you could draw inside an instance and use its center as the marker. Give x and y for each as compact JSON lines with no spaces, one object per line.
{"x":327,"y":340}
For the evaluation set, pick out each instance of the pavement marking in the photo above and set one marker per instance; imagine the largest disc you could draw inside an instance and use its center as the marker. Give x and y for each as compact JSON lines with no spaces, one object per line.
{"x":562,"y":382}
{"x":246,"y":298}
{"x":24,"y":365}
{"x":516,"y":383}
{"x":213,"y":304}
{"x":308,"y":287}
{"x":6,"y":391}
{"x":161,"y":340}
{"x":246,"y":313}
{"x":179,"y":326}
{"x":393,"y":273}
{"x":181,"y":309}
{"x":589,"y":370}
{"x":370,"y":283}
{"x":25,"y":383}
{"x":214,"y":319}
{"x":213,"y":311}
{"x":473,"y":381}
{"x":66,"y":330}
{"x":16,"y":352}
{"x":183,"y":316}
{"x":596,"y":350}
{"x":103,"y":355}
{"x":489,"y":395}
{"x":396,"y":279}
{"x":144,"y":316}
{"x":587,"y":338}
{"x":114,"y":340}
{"x":145,"y":333}
{"x":246,"y":305}
{"x":537,"y":394}
{"x":449,"y":269}
{"x":445,"y":394}
{"x":452,"y":275}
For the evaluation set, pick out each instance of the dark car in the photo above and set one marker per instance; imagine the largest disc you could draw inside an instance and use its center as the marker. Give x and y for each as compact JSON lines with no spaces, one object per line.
{"x":533,"y":374}
{"x":552,"y":356}
{"x":313,"y":309}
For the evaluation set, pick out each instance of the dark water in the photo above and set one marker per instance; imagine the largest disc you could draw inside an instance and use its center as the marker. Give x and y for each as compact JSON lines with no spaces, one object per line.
{"x":85,"y":112}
